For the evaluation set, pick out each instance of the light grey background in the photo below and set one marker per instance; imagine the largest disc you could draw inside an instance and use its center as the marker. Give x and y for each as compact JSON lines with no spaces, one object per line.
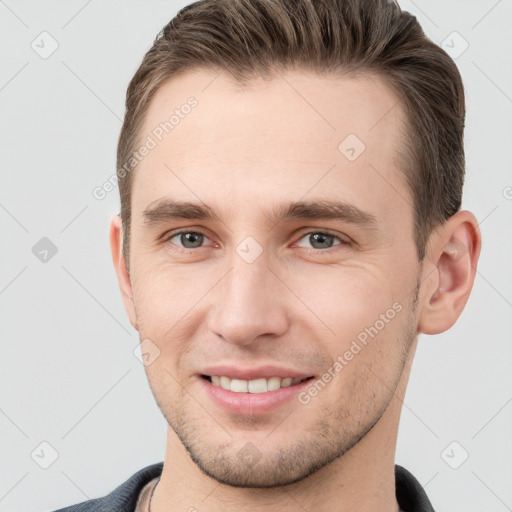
{"x":69,"y":376}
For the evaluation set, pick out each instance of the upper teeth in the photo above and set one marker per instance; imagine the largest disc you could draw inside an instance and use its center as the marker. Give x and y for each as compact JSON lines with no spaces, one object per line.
{"x":253,"y":386}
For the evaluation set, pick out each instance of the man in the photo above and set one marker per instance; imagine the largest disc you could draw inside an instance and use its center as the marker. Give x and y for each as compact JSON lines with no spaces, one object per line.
{"x":291,"y":176}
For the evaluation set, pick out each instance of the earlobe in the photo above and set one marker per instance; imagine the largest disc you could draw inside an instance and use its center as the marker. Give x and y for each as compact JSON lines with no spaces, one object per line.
{"x":123,"y":275}
{"x":454,"y":255}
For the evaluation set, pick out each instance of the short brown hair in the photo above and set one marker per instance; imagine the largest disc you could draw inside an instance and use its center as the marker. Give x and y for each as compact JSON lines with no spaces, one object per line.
{"x":247,"y":37}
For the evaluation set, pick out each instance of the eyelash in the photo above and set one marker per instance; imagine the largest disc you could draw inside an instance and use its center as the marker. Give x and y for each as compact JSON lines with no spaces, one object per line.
{"x":343,"y":243}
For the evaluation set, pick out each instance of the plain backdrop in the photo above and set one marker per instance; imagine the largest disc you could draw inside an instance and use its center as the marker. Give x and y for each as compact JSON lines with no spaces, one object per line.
{"x":76,"y":414}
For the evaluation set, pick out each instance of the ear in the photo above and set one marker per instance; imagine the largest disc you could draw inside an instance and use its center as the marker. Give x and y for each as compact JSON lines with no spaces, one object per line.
{"x":453,"y":254}
{"x":123,"y":276}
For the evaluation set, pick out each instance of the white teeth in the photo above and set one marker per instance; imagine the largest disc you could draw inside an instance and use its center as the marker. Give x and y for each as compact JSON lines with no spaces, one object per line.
{"x":239,"y":386}
{"x":253,"y":386}
{"x":273,"y":383}
{"x":257,"y":386}
{"x":286,"y":382}
{"x":225,"y":383}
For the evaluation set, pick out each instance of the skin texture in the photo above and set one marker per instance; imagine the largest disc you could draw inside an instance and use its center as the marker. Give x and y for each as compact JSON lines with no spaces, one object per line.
{"x":300,"y":304}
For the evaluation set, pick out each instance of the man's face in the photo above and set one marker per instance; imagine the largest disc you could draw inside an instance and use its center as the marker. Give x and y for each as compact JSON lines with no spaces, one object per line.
{"x":248,"y":288}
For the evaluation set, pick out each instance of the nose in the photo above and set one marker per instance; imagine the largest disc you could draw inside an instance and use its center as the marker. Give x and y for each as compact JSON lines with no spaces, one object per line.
{"x":250,"y":303}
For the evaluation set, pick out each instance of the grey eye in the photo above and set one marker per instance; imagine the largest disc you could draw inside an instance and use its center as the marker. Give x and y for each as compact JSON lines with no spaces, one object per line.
{"x":320,"y":240}
{"x":189,"y":239}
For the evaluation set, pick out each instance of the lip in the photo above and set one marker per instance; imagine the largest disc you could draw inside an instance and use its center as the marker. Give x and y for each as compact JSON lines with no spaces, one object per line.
{"x":266,"y":372}
{"x":251,"y":403}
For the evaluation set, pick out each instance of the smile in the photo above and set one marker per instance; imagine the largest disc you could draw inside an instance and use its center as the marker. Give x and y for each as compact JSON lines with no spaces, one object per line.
{"x":261,"y":385}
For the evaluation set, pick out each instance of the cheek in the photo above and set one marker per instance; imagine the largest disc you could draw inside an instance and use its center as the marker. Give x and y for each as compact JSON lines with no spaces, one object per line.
{"x":169,"y":308}
{"x":163,"y":290}
{"x":359,"y":321}
{"x":344,"y":299}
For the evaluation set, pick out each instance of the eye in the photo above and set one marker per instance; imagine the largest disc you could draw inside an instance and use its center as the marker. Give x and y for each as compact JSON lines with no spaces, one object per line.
{"x":322,"y":240}
{"x":188,"y":239}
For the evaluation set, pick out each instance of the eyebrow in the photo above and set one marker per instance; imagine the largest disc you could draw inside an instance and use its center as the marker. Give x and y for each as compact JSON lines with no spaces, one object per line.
{"x":167,"y":209}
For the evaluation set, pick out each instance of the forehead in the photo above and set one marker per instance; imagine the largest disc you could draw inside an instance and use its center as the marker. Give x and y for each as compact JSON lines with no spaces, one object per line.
{"x":298,"y":135}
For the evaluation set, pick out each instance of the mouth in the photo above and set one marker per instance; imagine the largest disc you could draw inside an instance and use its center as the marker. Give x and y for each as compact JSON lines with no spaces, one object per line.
{"x":256,"y":397}
{"x":253,"y":391}
{"x":259,"y":385}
